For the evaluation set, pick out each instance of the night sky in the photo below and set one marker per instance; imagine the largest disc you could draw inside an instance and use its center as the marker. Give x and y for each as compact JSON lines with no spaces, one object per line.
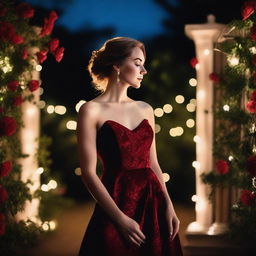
{"x":137,"y":19}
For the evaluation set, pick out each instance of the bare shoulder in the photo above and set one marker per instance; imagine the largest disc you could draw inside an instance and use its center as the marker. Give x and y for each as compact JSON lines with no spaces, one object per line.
{"x":145,"y":106}
{"x":89,"y":110}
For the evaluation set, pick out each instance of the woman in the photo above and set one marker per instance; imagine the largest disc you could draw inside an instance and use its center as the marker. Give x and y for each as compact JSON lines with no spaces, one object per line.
{"x":134,"y":215}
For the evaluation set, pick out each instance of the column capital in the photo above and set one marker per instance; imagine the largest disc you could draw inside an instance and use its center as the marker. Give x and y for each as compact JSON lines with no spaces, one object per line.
{"x":209,"y":31}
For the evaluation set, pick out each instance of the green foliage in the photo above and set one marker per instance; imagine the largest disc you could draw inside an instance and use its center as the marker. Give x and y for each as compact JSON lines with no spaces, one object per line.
{"x":234,"y":139}
{"x":18,"y":236}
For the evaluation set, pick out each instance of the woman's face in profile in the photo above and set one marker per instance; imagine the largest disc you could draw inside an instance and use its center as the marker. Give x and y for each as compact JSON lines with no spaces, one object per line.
{"x":132,"y":70}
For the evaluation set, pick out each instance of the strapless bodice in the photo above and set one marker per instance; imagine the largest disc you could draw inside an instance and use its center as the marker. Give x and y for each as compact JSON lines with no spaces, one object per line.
{"x":121,"y":148}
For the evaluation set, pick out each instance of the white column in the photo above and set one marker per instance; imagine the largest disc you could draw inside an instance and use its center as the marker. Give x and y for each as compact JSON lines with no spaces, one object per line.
{"x":203,"y":35}
{"x":29,"y":135}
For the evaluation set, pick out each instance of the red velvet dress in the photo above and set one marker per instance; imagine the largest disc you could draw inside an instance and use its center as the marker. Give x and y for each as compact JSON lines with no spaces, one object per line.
{"x":136,"y":190}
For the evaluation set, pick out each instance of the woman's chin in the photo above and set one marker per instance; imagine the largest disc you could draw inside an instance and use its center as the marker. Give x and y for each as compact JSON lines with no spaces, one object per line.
{"x":136,"y":85}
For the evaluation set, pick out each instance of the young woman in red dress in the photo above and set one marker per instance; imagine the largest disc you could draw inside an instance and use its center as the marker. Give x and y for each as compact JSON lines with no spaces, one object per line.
{"x":133,"y":215}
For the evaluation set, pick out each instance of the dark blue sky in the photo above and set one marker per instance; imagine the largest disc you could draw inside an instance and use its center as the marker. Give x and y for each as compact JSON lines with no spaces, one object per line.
{"x":139,"y":19}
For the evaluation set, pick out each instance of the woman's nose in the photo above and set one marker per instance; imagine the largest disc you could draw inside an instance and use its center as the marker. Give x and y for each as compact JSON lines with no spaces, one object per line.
{"x":144,"y":71}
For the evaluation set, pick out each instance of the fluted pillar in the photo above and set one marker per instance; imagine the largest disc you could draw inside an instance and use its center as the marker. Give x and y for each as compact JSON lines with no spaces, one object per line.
{"x":29,"y":135}
{"x":204,"y":36}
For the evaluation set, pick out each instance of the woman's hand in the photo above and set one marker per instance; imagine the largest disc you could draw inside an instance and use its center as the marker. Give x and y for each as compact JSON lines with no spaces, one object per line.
{"x":131,"y":230}
{"x":173,"y":221}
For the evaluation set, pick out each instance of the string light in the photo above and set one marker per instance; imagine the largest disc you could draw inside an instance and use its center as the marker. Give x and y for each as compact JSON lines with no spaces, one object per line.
{"x":40,"y":170}
{"x":157,"y":128}
{"x":178,"y":131}
{"x":190,"y":123}
{"x":254,"y":182}
{"x":41,"y":104}
{"x":52,"y":184}
{"x":179,"y":99}
{"x":46,"y":226}
{"x":166,"y":177}
{"x":71,"y":125}
{"x":50,"y":109}
{"x":230,"y":158}
{"x":167,"y":108}
{"x":52,"y":224}
{"x":78,"y":171}
{"x":158,"y":112}
{"x":196,"y":138}
{"x":193,"y":101}
{"x":192,"y":82}
{"x":190,"y":107}
{"x":44,"y":188}
{"x":196,"y":164}
{"x":194,"y":198}
{"x":79,"y":104}
{"x":233,"y":61}
{"x":49,"y":225}
{"x":226,"y":108}
{"x":38,"y":67}
{"x":41,"y":90}
{"x":5,"y":64}
{"x":253,"y":50}
{"x":59,"y":109}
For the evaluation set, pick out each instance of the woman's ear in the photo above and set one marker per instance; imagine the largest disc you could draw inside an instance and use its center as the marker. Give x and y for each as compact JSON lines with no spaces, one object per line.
{"x":116,"y":68}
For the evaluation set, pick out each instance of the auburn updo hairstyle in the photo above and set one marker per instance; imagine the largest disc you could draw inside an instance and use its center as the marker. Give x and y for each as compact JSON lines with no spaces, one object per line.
{"x":114,"y":51}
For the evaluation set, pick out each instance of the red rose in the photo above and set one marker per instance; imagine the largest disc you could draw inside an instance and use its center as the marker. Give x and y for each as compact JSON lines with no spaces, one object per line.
{"x":16,"y":39}
{"x":3,"y":10}
{"x":49,"y":23}
{"x":222,"y":167}
{"x":41,"y":56}
{"x":193,"y":62}
{"x":3,"y":194}
{"x":45,"y":51}
{"x":253,"y":33}
{"x":24,"y":54}
{"x":17,"y":100}
{"x":248,"y":9}
{"x":214,"y":77}
{"x":251,"y":106}
{"x":25,"y":11}
{"x":2,"y":225}
{"x":8,"y":126}
{"x":13,"y":85}
{"x":5,"y":168}
{"x":54,"y":44}
{"x":247,"y":198}
{"x":33,"y":85}
{"x":59,"y":54}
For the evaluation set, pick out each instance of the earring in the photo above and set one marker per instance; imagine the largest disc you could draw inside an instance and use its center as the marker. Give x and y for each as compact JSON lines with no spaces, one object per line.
{"x":118,"y":79}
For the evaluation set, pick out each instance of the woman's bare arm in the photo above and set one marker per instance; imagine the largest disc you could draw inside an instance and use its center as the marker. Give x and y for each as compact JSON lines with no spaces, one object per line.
{"x":86,"y":139}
